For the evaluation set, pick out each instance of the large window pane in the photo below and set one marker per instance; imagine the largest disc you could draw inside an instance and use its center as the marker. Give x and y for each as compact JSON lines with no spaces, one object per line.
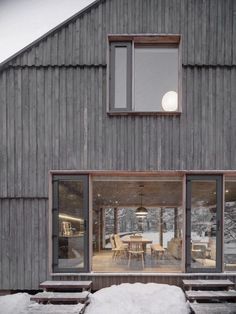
{"x":71,"y":225}
{"x":155,"y":74}
{"x":118,"y":224}
{"x":203,"y":224}
{"x":120,"y":77}
{"x":230,"y":225}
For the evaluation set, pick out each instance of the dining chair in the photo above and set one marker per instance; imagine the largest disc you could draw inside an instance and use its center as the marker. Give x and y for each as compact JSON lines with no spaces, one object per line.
{"x":136,"y":251}
{"x":113,"y":247}
{"x":120,"y":246}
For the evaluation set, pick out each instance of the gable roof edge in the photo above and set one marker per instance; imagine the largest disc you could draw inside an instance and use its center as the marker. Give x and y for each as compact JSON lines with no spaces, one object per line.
{"x":4,"y":63}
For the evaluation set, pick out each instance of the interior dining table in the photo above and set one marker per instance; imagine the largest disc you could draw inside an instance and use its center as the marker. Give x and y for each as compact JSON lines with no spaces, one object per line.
{"x":144,"y":241}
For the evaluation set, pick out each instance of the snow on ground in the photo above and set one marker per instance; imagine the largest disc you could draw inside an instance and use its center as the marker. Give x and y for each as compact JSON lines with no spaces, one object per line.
{"x":14,"y":303}
{"x":138,"y":298}
{"x":126,"y":298}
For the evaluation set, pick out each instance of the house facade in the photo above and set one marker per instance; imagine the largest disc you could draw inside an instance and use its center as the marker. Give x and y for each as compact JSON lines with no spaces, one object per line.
{"x":117,"y":127}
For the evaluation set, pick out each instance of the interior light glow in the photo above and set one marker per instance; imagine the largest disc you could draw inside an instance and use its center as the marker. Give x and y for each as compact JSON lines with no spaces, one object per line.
{"x":170,"y":101}
{"x":64,"y":216}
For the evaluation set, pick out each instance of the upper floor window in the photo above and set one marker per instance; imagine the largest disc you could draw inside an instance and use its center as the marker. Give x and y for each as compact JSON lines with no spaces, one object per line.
{"x":144,"y":73}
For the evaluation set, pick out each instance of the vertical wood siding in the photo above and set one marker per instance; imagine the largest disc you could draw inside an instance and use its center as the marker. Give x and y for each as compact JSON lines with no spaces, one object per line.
{"x":53,"y":115}
{"x":106,"y":280}
{"x":23,"y":243}
{"x":208,"y":28}
{"x":55,"y":118}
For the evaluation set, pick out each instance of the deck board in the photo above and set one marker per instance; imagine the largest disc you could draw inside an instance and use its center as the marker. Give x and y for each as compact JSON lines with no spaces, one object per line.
{"x":56,"y":309}
{"x":208,"y":283}
{"x":66,"y":285}
{"x":211,"y":295}
{"x":59,"y":297}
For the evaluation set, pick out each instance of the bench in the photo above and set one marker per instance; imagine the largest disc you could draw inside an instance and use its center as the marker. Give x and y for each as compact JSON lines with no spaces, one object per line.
{"x":157,"y":249}
{"x":61,"y":297}
{"x":66,"y":285}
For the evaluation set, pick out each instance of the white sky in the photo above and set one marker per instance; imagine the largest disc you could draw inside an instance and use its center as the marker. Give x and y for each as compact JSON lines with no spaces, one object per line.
{"x":23,"y":21}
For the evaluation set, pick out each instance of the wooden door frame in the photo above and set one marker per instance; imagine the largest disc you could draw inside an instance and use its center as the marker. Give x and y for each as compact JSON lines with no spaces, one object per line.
{"x":219,"y":222}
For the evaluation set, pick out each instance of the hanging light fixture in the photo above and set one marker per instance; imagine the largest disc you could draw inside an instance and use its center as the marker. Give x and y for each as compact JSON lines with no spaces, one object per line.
{"x":141,"y":212}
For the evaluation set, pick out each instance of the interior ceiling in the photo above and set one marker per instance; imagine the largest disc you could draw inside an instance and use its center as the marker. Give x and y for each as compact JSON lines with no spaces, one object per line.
{"x":156,"y":193}
{"x":127,"y":193}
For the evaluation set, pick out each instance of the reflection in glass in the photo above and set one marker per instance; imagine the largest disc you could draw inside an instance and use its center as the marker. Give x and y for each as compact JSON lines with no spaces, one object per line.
{"x":230,"y":225}
{"x":71,"y":225}
{"x":203,"y":224}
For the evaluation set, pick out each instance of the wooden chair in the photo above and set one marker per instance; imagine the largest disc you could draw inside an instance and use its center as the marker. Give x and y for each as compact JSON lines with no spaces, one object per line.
{"x":120,"y":246}
{"x":114,"y":249}
{"x":136,"y":251}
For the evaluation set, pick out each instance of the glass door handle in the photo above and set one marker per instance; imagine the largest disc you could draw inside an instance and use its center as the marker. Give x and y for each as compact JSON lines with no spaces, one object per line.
{"x":85,"y":224}
{"x":218,"y":225}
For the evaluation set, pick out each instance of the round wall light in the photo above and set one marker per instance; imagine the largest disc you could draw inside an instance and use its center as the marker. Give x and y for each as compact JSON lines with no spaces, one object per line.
{"x":170,"y":101}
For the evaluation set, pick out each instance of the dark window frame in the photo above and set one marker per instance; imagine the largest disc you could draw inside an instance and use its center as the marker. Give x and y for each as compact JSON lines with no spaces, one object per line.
{"x":219,"y":216}
{"x":55,"y":219}
{"x":113,"y":46}
{"x":132,"y":41}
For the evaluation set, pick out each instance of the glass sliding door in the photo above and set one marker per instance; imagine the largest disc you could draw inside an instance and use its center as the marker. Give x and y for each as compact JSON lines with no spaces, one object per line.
{"x":70,"y":217}
{"x":204,"y":223}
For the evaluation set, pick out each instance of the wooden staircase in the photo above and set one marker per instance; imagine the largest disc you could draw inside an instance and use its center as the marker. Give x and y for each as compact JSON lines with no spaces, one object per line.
{"x":61,"y":297}
{"x":206,"y":296}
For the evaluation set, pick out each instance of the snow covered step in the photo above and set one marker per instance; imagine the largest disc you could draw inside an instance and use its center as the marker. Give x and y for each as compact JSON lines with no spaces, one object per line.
{"x":213,"y":308}
{"x":66,"y":285}
{"x":56,"y":309}
{"x":213,"y":283}
{"x":60,"y":297}
{"x":211,"y":295}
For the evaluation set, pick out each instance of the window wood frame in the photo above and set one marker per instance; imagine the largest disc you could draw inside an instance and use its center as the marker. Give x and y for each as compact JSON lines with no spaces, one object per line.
{"x":130,"y":41}
{"x":113,"y":46}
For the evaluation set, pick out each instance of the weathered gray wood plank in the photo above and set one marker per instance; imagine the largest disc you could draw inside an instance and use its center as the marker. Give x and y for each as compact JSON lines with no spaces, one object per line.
{"x":213,"y":308}
{"x":207,"y":283}
{"x":55,"y":308}
{"x":211,"y":295}
{"x":65,"y":297}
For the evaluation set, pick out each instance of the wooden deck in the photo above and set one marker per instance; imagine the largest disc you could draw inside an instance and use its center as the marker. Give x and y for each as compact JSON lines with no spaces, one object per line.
{"x":103,"y":262}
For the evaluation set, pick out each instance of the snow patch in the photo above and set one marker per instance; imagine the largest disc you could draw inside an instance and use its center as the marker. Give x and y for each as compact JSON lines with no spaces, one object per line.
{"x":138,"y":298}
{"x":14,"y":303}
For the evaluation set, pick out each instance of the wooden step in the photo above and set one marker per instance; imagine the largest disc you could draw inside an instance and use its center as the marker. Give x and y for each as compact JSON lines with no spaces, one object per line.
{"x":66,"y":285}
{"x":213,"y":308}
{"x":211,"y":295}
{"x":198,"y":283}
{"x":56,"y":309}
{"x":61,"y":297}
